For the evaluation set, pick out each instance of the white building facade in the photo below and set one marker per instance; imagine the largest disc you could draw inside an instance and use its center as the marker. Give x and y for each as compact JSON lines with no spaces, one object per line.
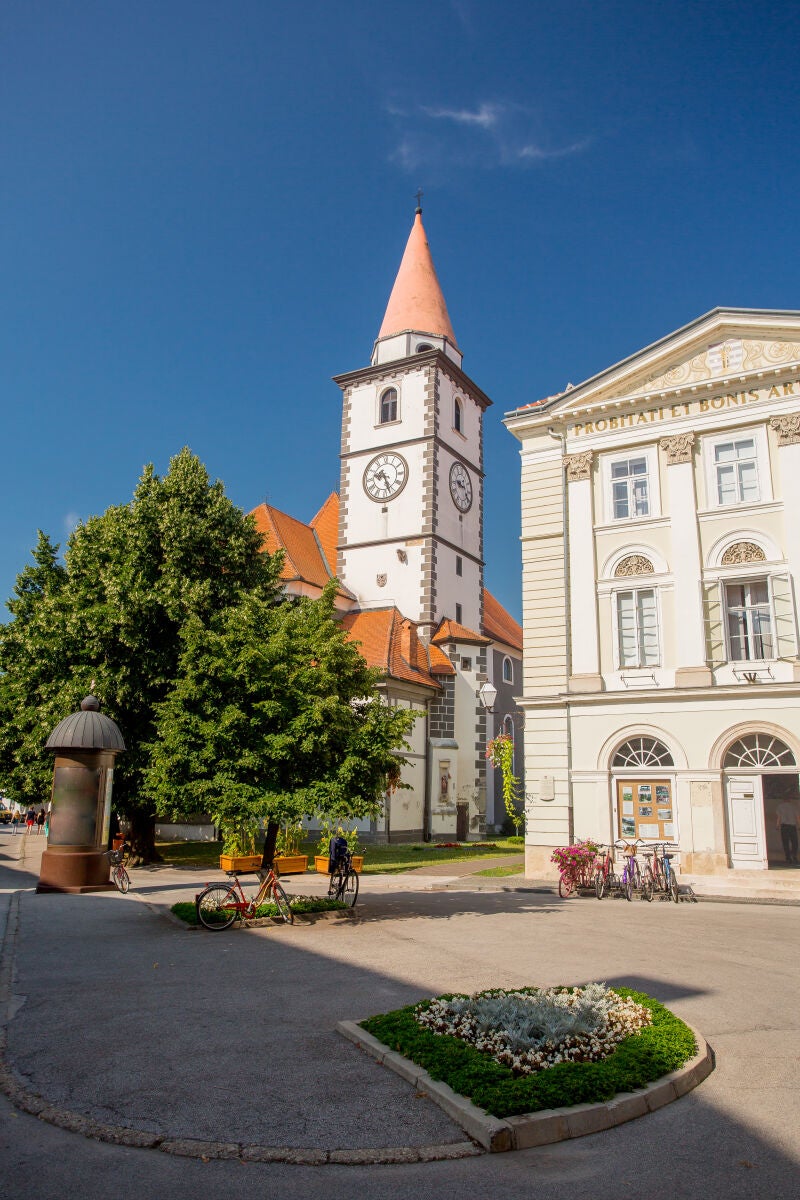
{"x":661,"y":561}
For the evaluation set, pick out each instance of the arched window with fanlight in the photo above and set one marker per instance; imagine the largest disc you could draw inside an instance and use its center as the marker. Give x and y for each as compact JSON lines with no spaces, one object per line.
{"x":644,"y":793}
{"x":758,"y":751}
{"x":388,"y":408}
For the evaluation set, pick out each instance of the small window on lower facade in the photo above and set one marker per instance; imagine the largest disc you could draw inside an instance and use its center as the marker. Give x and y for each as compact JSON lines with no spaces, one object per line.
{"x":637,"y":628}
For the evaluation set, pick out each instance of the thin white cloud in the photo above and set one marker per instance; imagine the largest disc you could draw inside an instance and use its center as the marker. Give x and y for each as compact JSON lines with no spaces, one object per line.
{"x":486,"y":116}
{"x":71,"y":522}
{"x":484,"y":135}
{"x":539,"y":153}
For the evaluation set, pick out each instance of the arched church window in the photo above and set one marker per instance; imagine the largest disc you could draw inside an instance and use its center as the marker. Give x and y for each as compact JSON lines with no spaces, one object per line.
{"x":758,"y":750}
{"x":389,"y":406}
{"x":458,"y":416}
{"x":642,"y":752}
{"x":508,"y":670}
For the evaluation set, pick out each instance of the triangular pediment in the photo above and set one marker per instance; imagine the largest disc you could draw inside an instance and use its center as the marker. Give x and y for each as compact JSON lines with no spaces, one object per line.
{"x":723,"y":348}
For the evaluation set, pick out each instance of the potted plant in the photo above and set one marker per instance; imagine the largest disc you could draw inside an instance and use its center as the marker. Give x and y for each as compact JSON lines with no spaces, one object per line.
{"x":239,"y":847}
{"x":326,"y":832}
{"x":288,"y":859}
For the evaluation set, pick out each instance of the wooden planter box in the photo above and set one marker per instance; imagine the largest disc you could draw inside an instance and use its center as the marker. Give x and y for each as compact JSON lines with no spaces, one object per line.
{"x":291,"y":864}
{"x":243,"y":862}
{"x":321,"y":863}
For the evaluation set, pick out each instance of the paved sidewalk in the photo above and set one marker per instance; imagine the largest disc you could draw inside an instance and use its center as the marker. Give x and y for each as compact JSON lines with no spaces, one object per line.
{"x":121,"y":1016}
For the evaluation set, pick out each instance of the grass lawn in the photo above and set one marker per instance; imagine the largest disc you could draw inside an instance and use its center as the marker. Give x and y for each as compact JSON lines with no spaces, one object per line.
{"x":379,"y":860}
{"x":500,"y":872}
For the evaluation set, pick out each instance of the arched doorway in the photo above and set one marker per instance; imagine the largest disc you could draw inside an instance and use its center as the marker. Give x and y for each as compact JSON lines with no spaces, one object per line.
{"x":644,"y":787}
{"x":760,"y":771}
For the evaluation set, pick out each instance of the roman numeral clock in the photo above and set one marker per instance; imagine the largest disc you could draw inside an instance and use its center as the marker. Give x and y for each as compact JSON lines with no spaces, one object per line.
{"x":385,"y":476}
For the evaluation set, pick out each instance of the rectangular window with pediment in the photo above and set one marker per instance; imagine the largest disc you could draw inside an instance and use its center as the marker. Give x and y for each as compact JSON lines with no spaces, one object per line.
{"x":630,"y":484}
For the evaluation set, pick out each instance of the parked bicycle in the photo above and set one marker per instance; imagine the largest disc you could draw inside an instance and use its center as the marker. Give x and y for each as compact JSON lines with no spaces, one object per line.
{"x":632,"y":878}
{"x":119,"y":876}
{"x":661,"y":871}
{"x":343,"y":879}
{"x":220,"y":904}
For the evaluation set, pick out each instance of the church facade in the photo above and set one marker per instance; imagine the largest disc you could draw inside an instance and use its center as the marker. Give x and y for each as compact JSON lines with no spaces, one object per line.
{"x":404,"y":538}
{"x":661,"y":563}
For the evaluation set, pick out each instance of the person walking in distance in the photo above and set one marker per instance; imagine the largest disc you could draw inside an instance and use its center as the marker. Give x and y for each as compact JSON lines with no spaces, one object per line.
{"x":786,"y":820}
{"x":30,"y":819}
{"x":14,"y":821}
{"x":40,"y":820}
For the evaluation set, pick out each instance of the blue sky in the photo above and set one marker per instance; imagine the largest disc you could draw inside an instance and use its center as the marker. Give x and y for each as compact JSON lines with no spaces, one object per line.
{"x":204,"y":206}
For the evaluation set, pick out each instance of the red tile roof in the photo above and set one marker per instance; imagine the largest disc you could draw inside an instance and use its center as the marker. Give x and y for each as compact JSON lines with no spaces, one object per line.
{"x":451,"y":631}
{"x":391,"y":643}
{"x":326,"y":526}
{"x":498,"y":624}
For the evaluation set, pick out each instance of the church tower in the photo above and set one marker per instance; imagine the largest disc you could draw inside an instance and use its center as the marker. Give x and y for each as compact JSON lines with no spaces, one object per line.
{"x":411,"y":514}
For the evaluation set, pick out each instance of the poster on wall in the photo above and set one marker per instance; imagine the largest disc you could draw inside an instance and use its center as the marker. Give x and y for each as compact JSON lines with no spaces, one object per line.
{"x":645,"y":794}
{"x":627,"y":808}
{"x":665,"y":814}
{"x":669,"y":829}
{"x":645,"y":810}
{"x":650,"y":830}
{"x":628,"y":827}
{"x":662,"y":793}
{"x":627,"y":794}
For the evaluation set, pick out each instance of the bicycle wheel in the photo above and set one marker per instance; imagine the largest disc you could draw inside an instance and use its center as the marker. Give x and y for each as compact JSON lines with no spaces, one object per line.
{"x":646,"y":886}
{"x":674,"y":887}
{"x":566,"y":886}
{"x":121,"y":878}
{"x":281,"y":901}
{"x":600,"y":885}
{"x":627,"y":886}
{"x":349,"y":892}
{"x":216,"y":906}
{"x":334,"y":885}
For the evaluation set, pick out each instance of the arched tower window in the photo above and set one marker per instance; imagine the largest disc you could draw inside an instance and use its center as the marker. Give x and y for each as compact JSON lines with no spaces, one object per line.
{"x":642,"y":752}
{"x":458,"y":416}
{"x":508,"y":670}
{"x":758,"y":750}
{"x":388,"y":406}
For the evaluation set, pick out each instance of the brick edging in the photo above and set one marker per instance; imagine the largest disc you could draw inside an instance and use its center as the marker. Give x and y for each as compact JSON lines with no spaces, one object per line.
{"x":549,"y":1125}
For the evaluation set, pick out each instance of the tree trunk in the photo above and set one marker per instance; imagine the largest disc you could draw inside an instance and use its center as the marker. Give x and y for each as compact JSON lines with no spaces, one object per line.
{"x":268,"y":856}
{"x":142,"y":837}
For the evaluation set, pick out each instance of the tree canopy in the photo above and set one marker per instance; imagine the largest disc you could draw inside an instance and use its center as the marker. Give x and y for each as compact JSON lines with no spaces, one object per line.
{"x":227,"y":693}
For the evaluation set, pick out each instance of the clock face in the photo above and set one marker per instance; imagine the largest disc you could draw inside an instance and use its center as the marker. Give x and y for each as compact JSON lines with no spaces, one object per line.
{"x":385,"y":477}
{"x":461,"y":487}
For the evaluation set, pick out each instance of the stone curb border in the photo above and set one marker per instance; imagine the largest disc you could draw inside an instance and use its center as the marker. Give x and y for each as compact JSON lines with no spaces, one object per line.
{"x":550,"y":1125}
{"x":124,"y":1135}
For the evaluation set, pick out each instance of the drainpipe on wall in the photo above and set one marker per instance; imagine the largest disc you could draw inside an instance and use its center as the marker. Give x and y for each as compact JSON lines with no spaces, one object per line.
{"x":426,"y":805}
{"x":560,"y":437}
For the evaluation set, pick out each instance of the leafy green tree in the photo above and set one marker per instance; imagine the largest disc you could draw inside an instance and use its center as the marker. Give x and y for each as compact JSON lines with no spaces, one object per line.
{"x":133,"y":577}
{"x":274,"y":715}
{"x":32,"y":653}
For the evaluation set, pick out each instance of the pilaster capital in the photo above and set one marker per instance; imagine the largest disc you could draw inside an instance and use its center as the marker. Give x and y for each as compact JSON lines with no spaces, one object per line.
{"x":579,"y":466}
{"x":787,"y":428}
{"x":678,"y":448}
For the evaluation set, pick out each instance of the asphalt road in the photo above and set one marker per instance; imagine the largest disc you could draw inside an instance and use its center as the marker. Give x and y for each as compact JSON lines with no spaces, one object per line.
{"x":119,"y":1014}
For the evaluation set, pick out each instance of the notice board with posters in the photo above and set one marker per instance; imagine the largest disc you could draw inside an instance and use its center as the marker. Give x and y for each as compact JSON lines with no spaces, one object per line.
{"x":645,"y":810}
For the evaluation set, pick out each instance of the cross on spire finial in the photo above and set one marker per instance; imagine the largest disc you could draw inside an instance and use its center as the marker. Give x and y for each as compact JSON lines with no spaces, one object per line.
{"x":419,"y":199}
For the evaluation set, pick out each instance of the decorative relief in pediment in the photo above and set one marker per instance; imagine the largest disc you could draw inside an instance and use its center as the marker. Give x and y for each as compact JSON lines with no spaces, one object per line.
{"x":717,"y":361}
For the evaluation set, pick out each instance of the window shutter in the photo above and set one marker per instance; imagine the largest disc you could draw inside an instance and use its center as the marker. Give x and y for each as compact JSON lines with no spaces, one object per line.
{"x":785,"y":620}
{"x":712,"y":623}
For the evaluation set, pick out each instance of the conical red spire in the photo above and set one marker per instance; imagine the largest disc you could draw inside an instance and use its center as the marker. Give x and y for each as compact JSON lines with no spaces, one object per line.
{"x":417,"y":301}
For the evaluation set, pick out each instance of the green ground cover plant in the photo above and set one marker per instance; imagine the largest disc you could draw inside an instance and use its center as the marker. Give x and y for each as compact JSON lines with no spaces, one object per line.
{"x":187,"y":911}
{"x":499,"y":872}
{"x":378,"y":860}
{"x":663,"y":1046}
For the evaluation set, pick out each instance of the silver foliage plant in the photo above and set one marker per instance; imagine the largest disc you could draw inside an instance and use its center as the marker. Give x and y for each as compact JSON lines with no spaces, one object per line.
{"x":531,"y":1030}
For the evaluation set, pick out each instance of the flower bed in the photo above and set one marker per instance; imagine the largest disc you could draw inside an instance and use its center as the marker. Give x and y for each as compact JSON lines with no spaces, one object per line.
{"x":577,"y":857}
{"x":561,"y":1067}
{"x":533,"y":1030}
{"x":187,"y":910}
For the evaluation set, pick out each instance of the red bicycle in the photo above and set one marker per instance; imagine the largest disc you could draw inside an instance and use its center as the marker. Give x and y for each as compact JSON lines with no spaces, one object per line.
{"x":219,"y":904}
